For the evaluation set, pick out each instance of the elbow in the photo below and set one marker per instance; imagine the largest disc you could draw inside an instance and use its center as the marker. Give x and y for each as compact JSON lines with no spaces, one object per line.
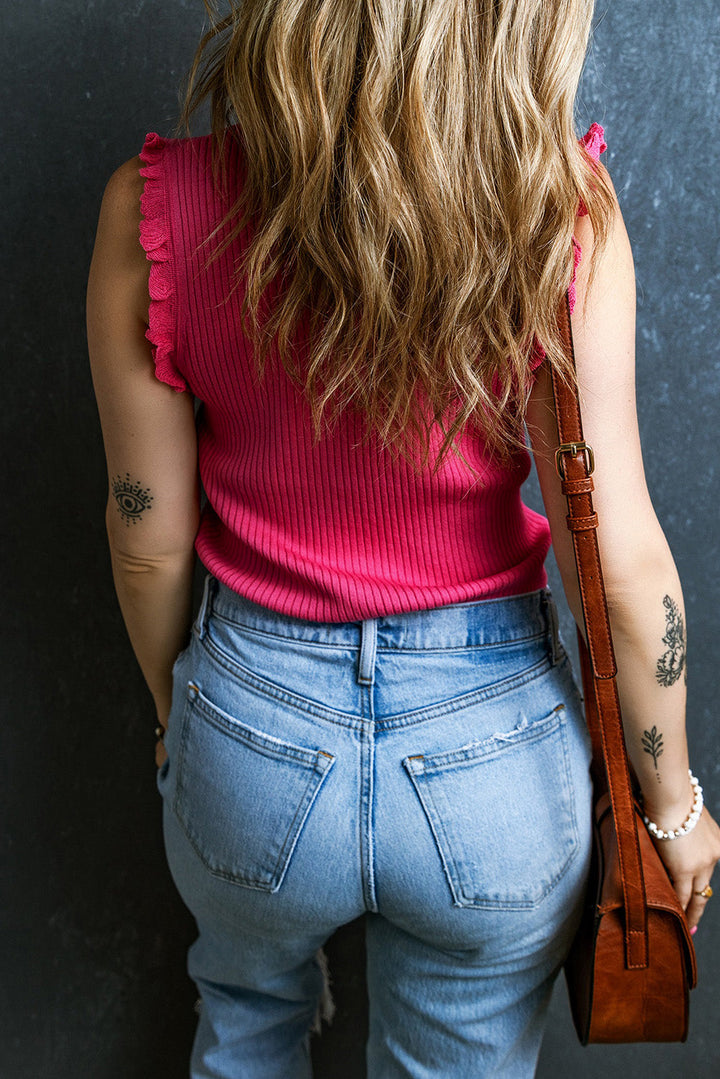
{"x":135,"y":565}
{"x":140,"y":551}
{"x":137,"y":574}
{"x":638,"y":572}
{"x":632,"y":573}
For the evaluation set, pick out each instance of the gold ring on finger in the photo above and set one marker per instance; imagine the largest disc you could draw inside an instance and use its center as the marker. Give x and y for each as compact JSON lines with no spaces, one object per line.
{"x":706,"y":893}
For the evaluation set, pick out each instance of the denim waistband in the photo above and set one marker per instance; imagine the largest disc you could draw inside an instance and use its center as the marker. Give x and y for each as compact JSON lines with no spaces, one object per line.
{"x":462,"y":625}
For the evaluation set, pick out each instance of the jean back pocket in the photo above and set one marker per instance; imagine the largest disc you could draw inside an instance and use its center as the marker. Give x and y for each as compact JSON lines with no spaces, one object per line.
{"x":502,"y":812}
{"x":242,"y":796}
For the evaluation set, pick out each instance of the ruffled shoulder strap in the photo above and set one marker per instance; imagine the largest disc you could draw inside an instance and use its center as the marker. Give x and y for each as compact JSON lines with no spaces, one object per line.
{"x":594,"y":143}
{"x":156,"y":239}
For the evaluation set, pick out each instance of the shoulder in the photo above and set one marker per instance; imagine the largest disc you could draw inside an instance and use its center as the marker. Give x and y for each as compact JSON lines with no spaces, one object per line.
{"x":118,"y":250}
{"x":583,"y":230}
{"x":124,"y":186}
{"x":120,"y":212}
{"x":119,"y":260}
{"x":614,"y":258}
{"x":122,"y":209}
{"x":615,"y":261}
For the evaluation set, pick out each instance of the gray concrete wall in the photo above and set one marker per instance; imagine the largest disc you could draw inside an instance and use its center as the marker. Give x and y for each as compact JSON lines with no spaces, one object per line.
{"x":94,"y":935}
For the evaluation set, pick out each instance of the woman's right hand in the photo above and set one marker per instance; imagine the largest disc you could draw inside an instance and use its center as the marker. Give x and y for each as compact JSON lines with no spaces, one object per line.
{"x":690,"y":861}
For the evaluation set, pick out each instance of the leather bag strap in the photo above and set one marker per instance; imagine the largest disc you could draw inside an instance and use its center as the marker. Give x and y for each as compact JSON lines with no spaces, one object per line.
{"x":574,"y":461}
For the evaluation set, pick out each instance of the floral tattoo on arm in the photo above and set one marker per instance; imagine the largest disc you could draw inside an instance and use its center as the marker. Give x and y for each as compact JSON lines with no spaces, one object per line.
{"x":132,"y":498}
{"x":672,"y":662}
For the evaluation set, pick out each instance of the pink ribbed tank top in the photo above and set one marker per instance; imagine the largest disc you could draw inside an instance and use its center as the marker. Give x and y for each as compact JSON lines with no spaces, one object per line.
{"x":335,"y":532}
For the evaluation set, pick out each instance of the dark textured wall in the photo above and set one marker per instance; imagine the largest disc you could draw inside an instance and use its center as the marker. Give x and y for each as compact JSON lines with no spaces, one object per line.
{"x":94,"y":935}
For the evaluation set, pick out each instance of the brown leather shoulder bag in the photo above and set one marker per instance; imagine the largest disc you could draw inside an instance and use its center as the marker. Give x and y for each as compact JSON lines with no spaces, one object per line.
{"x":632,"y":962}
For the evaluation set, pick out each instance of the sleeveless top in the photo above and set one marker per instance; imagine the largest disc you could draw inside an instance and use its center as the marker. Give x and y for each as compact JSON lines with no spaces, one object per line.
{"x":334,"y":532}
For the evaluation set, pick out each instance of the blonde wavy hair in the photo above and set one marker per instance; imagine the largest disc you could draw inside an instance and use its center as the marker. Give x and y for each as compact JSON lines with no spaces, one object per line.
{"x":413,"y":177}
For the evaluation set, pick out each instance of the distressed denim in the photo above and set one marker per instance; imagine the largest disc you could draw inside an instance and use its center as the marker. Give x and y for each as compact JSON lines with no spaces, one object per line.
{"x":429,"y":770}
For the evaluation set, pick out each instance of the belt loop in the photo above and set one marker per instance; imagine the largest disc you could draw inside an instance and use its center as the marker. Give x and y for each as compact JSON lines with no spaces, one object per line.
{"x":551,"y":624}
{"x":209,"y":591}
{"x":368,"y":649}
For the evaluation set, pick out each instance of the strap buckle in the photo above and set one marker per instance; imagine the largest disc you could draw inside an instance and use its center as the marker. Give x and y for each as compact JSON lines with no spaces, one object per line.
{"x":574,"y":448}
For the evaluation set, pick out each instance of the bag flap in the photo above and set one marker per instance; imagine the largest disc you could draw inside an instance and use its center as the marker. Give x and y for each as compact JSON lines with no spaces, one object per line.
{"x":659,"y":891}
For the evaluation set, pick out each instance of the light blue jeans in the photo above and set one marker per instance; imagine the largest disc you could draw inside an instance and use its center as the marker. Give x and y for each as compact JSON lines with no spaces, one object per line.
{"x":428,"y":769}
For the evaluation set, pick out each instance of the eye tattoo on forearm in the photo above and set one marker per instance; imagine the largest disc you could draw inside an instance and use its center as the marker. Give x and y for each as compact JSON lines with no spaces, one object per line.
{"x":132,"y":498}
{"x":672,"y":662}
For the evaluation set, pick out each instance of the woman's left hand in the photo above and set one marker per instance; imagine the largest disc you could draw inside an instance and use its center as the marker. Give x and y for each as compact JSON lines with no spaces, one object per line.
{"x":160,"y":751}
{"x":690,"y":861}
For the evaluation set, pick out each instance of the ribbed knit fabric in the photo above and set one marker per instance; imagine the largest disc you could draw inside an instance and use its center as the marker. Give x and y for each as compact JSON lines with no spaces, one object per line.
{"x":335,"y":532}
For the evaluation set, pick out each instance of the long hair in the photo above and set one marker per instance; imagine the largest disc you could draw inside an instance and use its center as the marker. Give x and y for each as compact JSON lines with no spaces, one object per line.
{"x":412,"y":178}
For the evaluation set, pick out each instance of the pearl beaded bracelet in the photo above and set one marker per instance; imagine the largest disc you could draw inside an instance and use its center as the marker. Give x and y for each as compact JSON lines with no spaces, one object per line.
{"x":687,"y":825}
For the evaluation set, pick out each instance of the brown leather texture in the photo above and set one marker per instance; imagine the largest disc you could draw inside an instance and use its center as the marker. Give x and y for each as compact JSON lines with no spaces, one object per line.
{"x":613,"y":1003}
{"x":632,"y":962}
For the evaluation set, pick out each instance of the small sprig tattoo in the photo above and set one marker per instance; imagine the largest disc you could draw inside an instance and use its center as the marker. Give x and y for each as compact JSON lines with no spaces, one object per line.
{"x":652,"y":743}
{"x":132,"y":498}
{"x":672,"y":662}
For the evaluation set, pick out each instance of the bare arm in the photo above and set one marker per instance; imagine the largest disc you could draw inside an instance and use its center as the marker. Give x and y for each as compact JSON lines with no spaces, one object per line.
{"x":150,"y":445}
{"x":644,"y":593}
